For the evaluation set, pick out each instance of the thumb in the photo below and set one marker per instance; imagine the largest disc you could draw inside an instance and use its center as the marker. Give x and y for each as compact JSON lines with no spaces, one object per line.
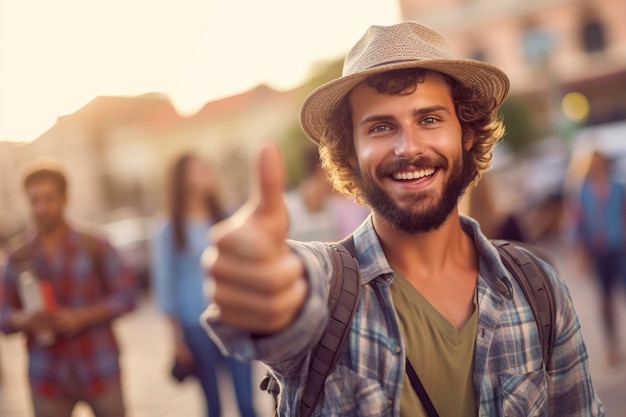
{"x":270,"y":181}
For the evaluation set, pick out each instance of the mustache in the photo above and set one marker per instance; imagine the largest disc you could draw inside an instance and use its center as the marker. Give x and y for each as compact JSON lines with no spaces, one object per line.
{"x":401,"y":164}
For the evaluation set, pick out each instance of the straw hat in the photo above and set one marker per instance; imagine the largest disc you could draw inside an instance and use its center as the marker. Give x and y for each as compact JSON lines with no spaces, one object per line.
{"x":385,"y":48}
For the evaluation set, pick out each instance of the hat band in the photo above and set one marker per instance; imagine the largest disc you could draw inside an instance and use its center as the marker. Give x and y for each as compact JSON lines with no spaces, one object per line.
{"x":392,"y":63}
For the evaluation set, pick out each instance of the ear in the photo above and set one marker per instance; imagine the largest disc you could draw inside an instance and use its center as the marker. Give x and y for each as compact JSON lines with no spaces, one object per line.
{"x":468,"y":139}
{"x":352,"y":161}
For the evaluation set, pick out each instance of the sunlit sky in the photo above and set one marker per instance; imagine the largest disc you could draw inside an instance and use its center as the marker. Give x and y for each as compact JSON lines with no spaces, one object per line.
{"x":58,"y":55}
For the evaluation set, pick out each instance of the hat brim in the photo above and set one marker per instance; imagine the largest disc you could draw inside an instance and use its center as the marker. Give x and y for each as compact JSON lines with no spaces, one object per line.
{"x":487,"y":80}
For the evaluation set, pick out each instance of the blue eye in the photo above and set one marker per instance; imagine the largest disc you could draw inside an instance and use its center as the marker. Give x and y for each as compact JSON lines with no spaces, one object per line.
{"x":380,"y":128}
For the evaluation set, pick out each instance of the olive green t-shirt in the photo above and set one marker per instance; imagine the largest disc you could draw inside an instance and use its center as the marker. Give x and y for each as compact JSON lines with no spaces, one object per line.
{"x":443,"y":357}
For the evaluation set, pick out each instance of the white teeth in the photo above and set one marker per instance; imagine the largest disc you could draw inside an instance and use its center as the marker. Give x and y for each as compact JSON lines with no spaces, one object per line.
{"x":413,"y":175}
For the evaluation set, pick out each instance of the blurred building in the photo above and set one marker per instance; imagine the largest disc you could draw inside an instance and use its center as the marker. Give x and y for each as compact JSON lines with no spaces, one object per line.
{"x":566,"y":60}
{"x":547,"y":47}
{"x":117,"y":151}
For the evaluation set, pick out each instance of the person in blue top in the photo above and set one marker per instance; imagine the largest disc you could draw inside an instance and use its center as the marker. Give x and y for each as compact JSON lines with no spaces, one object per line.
{"x":178,"y":280}
{"x":601,"y":226}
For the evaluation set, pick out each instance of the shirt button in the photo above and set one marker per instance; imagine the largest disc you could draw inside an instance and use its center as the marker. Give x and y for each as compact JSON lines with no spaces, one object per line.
{"x":398,"y":349}
{"x":390,"y":401}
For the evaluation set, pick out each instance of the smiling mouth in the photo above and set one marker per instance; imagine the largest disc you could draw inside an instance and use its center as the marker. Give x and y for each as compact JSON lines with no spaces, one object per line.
{"x":414,"y":174}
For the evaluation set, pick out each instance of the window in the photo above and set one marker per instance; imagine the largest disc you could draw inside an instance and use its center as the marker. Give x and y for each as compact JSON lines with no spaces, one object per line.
{"x":479,"y":55}
{"x":537,"y":44}
{"x":592,"y":36}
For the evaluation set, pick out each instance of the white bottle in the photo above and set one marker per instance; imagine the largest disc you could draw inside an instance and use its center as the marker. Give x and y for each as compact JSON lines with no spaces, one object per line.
{"x":32,"y":301}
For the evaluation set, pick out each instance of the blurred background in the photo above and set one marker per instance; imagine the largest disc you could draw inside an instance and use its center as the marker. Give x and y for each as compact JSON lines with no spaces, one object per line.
{"x":116,"y":91}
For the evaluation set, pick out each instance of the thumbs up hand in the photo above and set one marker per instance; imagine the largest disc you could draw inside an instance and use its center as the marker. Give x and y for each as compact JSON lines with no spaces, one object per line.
{"x":258,"y":282}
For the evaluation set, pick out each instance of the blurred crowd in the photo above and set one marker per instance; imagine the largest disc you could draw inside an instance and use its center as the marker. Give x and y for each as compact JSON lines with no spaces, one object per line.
{"x":73,"y":351}
{"x":585,"y":215}
{"x":63,"y":284}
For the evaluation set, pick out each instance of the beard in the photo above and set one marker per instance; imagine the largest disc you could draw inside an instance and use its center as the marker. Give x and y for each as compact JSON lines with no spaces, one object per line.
{"x":418,"y":215}
{"x":46,"y":224}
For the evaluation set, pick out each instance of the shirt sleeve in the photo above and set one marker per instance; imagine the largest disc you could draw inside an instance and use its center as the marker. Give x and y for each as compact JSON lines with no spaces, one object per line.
{"x":9,"y":298}
{"x":161,"y":267}
{"x":283,"y":351}
{"x":570,"y":389}
{"x":123,"y":289}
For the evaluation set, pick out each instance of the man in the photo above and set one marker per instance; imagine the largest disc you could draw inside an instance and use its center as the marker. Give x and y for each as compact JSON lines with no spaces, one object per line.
{"x":406,"y":129}
{"x":73,"y":354}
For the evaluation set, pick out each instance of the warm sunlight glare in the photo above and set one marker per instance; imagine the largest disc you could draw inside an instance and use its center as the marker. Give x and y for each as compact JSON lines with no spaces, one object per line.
{"x":57,"y":56}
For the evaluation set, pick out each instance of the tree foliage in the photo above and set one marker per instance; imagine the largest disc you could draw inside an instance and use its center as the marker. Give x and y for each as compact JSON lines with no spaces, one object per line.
{"x":521,"y":128}
{"x":294,"y":144}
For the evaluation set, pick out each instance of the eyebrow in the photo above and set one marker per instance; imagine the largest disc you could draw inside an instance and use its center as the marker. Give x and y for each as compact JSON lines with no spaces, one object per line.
{"x":431,"y":109}
{"x":418,"y":112}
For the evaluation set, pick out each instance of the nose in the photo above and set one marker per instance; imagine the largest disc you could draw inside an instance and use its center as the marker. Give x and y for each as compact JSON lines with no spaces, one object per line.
{"x":409,"y":143}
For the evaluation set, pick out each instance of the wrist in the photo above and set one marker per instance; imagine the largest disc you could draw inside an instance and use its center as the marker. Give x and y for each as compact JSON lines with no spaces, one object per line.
{"x":92,"y":315}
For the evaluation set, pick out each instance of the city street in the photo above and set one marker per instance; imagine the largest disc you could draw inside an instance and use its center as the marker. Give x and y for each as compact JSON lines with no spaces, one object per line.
{"x":610,"y":383}
{"x":151,"y":393}
{"x":149,"y":390}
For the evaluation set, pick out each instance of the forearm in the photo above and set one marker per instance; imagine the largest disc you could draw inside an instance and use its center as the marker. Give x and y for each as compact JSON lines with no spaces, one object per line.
{"x":94,"y":314}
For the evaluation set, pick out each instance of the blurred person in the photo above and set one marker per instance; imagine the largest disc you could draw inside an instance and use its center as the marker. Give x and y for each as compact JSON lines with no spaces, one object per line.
{"x":545,"y":216}
{"x":479,"y":203}
{"x":600,"y":221}
{"x":3,"y":257}
{"x":496,"y":221}
{"x":178,"y":281}
{"x":87,"y":287}
{"x":316,"y":211}
{"x":406,"y":129}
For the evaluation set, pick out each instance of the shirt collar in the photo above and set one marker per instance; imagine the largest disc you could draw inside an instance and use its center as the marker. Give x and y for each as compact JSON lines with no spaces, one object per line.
{"x":374,"y":264}
{"x":372,"y":260}
{"x":490,"y":266}
{"x":69,"y":241}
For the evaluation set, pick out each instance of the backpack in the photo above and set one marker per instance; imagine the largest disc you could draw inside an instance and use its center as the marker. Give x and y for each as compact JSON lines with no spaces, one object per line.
{"x":344,"y":295}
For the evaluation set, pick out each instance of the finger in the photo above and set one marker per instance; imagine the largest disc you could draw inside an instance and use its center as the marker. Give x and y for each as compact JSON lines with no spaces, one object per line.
{"x":251,"y":312}
{"x":249,"y":239}
{"x":270,"y":181}
{"x":241,"y":238}
{"x":270,"y":277}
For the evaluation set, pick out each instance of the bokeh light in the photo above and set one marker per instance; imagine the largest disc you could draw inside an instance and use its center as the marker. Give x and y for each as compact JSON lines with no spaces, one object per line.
{"x":575,"y":106}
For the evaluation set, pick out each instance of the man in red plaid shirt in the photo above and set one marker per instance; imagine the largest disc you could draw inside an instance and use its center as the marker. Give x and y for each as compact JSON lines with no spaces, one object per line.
{"x":87,"y":287}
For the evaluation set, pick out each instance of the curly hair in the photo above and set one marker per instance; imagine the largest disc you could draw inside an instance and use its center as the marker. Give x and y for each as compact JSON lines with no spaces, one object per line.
{"x":477,"y":114}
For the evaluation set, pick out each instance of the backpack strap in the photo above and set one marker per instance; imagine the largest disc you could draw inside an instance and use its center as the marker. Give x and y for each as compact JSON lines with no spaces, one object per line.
{"x":343,"y":298}
{"x":348,"y":244}
{"x":537,"y":289}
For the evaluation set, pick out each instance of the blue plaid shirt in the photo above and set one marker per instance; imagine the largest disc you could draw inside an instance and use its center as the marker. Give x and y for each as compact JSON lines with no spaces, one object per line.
{"x":510,"y":378}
